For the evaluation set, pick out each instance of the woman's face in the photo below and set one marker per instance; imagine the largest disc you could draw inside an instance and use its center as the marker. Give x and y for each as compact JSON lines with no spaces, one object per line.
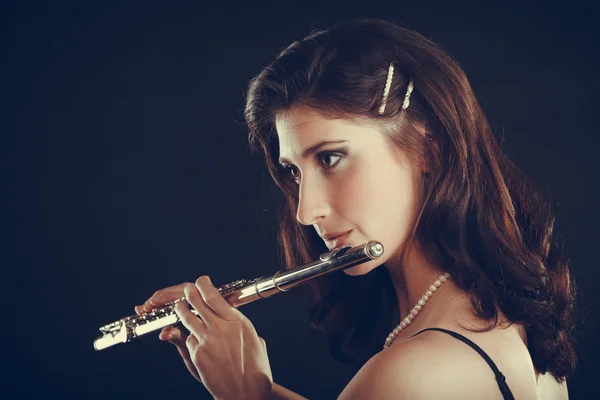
{"x":348,"y":180}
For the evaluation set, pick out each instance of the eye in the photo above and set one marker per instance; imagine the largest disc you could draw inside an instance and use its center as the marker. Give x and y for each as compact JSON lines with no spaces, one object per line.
{"x":291,"y":172}
{"x":329,"y":160}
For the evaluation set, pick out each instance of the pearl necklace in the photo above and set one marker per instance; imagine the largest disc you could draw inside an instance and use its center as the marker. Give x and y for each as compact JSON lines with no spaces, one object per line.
{"x":415,"y":311}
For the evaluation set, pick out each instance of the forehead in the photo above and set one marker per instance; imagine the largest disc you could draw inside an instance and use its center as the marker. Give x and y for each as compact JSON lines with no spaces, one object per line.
{"x":302,"y":126}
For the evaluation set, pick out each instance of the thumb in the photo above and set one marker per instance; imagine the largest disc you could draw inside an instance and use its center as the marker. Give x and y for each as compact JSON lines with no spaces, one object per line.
{"x":173,"y":335}
{"x":178,"y":338}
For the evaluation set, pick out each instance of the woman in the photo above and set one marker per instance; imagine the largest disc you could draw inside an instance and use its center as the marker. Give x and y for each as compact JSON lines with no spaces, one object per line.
{"x":373,"y":132}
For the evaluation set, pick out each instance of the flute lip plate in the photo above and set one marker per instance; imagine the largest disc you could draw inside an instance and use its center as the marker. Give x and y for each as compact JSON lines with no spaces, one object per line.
{"x":332,"y":253}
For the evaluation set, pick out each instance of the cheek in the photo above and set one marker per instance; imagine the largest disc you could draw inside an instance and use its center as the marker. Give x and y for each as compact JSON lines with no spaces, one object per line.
{"x":359,"y":204}
{"x":380,"y":205}
{"x":356,"y":196}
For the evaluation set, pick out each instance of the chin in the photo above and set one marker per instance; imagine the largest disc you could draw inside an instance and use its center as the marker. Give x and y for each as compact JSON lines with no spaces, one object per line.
{"x":362,"y":269}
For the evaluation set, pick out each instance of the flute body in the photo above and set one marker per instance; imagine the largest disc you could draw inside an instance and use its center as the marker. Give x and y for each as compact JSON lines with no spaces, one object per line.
{"x":241,"y":292}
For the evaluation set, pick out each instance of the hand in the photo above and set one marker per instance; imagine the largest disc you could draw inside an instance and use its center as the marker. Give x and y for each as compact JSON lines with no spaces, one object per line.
{"x":162,"y":297}
{"x":171,"y":334}
{"x":223,"y":350}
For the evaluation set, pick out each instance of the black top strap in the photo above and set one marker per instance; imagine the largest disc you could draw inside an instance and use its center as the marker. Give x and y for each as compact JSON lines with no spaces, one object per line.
{"x":499,"y":376}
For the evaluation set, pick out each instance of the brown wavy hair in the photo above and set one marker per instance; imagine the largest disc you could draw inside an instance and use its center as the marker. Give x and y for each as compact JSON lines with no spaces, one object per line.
{"x":480,"y":218}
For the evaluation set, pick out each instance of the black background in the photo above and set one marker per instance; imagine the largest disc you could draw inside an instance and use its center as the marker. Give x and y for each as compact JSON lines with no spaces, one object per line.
{"x":125,"y":169}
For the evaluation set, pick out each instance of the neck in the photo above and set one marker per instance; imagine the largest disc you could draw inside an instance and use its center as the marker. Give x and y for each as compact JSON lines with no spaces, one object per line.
{"x":411,"y":279}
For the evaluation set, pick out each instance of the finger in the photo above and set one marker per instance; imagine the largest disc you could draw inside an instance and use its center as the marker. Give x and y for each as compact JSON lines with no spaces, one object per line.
{"x":191,"y":342}
{"x":215,"y":301}
{"x":167,"y":295}
{"x":264,"y":343}
{"x":139,"y":310}
{"x":178,"y":338}
{"x":190,"y":320}
{"x":195,"y":299}
{"x":162,"y":297}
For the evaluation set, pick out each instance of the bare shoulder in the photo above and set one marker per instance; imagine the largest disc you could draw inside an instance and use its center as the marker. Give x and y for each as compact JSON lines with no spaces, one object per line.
{"x":550,"y":389}
{"x":423,"y":367}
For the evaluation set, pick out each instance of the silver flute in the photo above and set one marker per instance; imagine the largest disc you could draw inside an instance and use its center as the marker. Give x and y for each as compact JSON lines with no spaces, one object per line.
{"x":241,"y":292}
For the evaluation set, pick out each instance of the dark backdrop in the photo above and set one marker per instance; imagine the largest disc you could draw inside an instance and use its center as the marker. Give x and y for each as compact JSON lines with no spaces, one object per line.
{"x":125,"y":169}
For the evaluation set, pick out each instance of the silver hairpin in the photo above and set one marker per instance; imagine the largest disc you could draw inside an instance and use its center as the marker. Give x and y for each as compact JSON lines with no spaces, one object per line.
{"x":407,"y":97}
{"x":386,"y":90}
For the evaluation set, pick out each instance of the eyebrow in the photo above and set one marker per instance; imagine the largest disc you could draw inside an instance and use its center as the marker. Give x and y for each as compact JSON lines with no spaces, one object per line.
{"x":311,"y":150}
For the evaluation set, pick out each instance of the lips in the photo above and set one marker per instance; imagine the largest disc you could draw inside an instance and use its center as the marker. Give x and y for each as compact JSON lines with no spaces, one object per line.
{"x":333,"y":242}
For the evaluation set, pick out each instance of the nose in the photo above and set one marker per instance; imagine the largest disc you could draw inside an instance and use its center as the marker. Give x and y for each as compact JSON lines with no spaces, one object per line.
{"x":313,"y":204}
